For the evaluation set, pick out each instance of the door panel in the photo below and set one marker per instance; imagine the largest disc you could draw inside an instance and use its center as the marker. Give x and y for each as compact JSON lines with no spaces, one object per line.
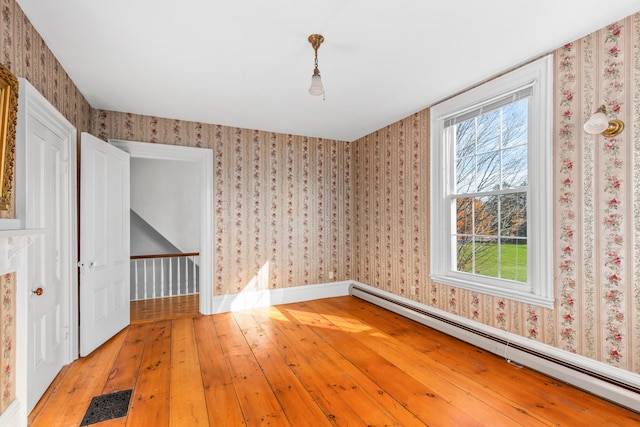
{"x":45,"y":189}
{"x":104,"y":242}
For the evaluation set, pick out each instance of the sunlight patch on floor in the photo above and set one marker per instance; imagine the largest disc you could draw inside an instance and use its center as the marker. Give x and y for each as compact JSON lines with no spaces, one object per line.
{"x":276,"y":314}
{"x":328,"y":321}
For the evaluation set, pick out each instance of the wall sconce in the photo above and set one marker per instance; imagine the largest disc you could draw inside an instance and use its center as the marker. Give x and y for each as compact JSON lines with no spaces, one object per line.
{"x":316,"y":88}
{"x":599,"y":123}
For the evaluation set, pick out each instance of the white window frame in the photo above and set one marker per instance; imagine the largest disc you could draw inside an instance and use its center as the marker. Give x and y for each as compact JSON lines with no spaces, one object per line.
{"x":539,"y":289}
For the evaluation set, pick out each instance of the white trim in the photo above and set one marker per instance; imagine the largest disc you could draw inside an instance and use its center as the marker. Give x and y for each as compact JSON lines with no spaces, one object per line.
{"x":203,"y":157}
{"x":33,"y":106}
{"x":476,"y":333}
{"x":521,"y":296}
{"x":9,"y":223}
{"x":11,"y":416}
{"x":539,"y":75}
{"x":14,"y":257}
{"x":267,"y":298}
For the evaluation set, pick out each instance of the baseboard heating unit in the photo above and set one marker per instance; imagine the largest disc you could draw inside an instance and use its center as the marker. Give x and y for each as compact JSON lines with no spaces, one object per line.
{"x":617,"y":385}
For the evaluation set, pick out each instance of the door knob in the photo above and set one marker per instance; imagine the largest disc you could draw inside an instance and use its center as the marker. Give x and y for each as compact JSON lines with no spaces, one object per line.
{"x":38,"y":291}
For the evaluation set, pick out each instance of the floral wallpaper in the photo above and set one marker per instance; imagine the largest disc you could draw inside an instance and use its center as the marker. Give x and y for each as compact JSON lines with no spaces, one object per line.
{"x":391,"y":194}
{"x":598,"y":185}
{"x":282,"y":203}
{"x":7,"y":340}
{"x":597,"y":210}
{"x":25,"y":54}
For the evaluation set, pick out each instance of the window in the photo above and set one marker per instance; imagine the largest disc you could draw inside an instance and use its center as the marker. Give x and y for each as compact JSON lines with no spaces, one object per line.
{"x":491,"y":187}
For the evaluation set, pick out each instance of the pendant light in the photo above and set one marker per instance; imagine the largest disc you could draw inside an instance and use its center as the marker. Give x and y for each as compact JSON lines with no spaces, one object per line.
{"x":316,"y":88}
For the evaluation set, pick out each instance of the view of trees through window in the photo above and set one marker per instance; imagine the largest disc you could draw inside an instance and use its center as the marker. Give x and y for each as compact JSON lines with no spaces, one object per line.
{"x":491,"y":192}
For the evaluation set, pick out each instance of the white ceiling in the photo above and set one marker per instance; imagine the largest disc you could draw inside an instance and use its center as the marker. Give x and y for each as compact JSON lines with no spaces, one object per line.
{"x":247,"y":63}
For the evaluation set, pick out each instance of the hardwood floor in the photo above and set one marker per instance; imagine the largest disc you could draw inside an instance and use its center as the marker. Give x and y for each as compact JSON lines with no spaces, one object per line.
{"x":338,"y":361}
{"x":165,"y":308}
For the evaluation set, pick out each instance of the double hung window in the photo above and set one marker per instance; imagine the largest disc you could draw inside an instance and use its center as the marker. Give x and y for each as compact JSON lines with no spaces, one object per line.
{"x":491,"y":196}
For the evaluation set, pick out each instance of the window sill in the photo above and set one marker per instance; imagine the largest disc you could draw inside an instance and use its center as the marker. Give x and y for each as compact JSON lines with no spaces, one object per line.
{"x":515,"y":295}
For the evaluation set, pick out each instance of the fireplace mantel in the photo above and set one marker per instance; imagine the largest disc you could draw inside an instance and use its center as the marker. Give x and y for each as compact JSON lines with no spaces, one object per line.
{"x":13,"y":258}
{"x":12,"y":244}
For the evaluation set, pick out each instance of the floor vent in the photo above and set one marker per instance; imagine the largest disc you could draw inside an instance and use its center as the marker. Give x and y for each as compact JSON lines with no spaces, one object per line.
{"x":107,"y":407}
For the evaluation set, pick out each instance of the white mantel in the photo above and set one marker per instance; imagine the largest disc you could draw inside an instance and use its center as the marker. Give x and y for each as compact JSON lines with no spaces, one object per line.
{"x":12,"y":245}
{"x":13,"y":258}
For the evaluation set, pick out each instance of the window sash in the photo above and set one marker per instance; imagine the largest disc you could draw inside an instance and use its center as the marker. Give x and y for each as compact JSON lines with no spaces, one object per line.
{"x":500,"y":235}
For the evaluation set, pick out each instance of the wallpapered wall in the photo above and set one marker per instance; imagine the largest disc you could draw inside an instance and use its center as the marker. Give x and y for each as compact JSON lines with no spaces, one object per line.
{"x":391,"y":198}
{"x":7,"y":339}
{"x":26,"y":55}
{"x":597,"y":211}
{"x":282,"y":203}
{"x":598,"y":197}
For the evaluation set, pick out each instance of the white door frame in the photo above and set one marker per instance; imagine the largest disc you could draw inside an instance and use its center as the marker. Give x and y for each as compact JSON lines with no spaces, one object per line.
{"x":34,"y":106}
{"x":203,"y":157}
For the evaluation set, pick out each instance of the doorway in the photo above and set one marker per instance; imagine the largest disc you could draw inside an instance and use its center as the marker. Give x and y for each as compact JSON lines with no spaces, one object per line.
{"x":201,"y":160}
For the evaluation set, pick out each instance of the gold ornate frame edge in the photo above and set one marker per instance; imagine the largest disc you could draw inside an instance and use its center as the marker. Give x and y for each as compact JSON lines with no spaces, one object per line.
{"x":8,"y":120}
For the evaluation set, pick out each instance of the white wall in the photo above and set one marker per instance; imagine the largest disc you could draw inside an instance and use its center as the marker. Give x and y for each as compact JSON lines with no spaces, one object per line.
{"x":146,"y":240}
{"x":166,"y":194}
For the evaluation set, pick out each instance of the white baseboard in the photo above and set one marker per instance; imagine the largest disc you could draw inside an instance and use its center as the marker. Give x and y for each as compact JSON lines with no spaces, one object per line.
{"x":606,"y":381}
{"x":254,"y":299}
{"x":11,"y":416}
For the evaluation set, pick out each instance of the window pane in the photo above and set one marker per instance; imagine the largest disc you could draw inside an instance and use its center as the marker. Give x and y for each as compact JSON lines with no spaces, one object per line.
{"x":513,"y":214}
{"x":515,"y":126}
{"x":488,"y":171}
{"x":464,"y":215}
{"x":489,"y":129}
{"x":486,"y":216}
{"x":466,"y":175}
{"x":464,"y":253}
{"x":466,"y":138}
{"x":513,"y":259}
{"x":514,"y":167}
{"x":486,"y":256}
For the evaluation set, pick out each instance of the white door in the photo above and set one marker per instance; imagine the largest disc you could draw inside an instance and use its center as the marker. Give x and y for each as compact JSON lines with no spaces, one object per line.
{"x":50,"y":267}
{"x":104,"y":242}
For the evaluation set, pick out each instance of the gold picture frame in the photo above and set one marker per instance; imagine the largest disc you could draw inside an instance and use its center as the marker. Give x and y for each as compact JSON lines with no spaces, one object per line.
{"x":8,"y":119}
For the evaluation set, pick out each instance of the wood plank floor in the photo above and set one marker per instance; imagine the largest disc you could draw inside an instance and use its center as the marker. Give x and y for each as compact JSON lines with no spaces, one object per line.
{"x":338,"y":361}
{"x":151,"y":310}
